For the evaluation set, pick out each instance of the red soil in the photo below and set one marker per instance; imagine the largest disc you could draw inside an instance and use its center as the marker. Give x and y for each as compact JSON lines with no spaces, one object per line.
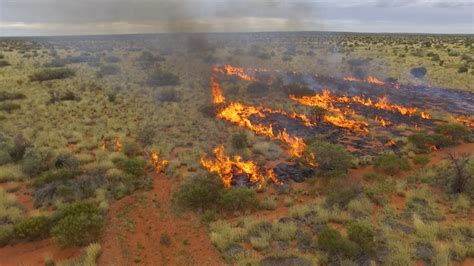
{"x":34,"y":253}
{"x":137,"y":222}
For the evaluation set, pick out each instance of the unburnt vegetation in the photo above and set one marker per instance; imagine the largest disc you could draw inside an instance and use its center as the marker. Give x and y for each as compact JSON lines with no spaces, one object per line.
{"x":82,"y":122}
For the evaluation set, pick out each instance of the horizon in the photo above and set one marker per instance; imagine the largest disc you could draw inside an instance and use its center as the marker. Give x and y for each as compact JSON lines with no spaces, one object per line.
{"x":111,"y":17}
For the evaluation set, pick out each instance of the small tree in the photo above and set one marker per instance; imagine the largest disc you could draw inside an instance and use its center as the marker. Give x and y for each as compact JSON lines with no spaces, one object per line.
{"x":333,"y":159}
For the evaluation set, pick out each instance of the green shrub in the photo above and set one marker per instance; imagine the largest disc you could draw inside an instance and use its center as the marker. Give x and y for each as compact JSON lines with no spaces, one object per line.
{"x":107,"y":70}
{"x":130,"y":148}
{"x":8,"y":106}
{"x":51,"y":74}
{"x":423,"y":142}
{"x":240,"y":140}
{"x":67,"y":161}
{"x":199,"y":193}
{"x":133,"y":166}
{"x":238,"y":199}
{"x":5,"y":95}
{"x":53,"y":175}
{"x":453,"y":131}
{"x":362,"y":234}
{"x":9,"y":172}
{"x":391,"y":163}
{"x":297,"y":90}
{"x":285,"y":231}
{"x":162,"y":78}
{"x":6,"y":234}
{"x":77,"y":224}
{"x":462,"y":69}
{"x":36,"y":161}
{"x":332,"y":241}
{"x":4,"y":63}
{"x":333,"y":159}
{"x":421,"y":159}
{"x":340,"y":196}
{"x":32,"y":228}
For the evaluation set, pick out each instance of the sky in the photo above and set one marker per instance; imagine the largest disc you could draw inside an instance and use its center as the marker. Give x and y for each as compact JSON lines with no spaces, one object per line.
{"x":84,"y":17}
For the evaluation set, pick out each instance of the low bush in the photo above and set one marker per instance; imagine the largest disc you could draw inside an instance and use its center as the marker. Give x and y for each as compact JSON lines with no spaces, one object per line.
{"x":8,"y":106}
{"x":162,"y":78}
{"x":238,"y":199}
{"x":52,"y":74}
{"x":53,"y":175}
{"x":424,"y":142}
{"x":455,"y":132}
{"x":297,"y":90}
{"x":333,"y":159}
{"x":10,"y":210}
{"x":363,"y":234}
{"x":332,"y":241}
{"x":133,"y":166}
{"x":106,"y":70}
{"x":421,"y":159}
{"x":10,"y":172}
{"x":199,"y":193}
{"x":240,"y":140}
{"x":77,"y":224}
{"x":340,"y":196}
{"x":36,"y":161}
{"x":418,"y":72}
{"x":285,"y":231}
{"x":391,"y":164}
{"x":32,"y":228}
{"x":5,"y":95}
{"x":4,"y":63}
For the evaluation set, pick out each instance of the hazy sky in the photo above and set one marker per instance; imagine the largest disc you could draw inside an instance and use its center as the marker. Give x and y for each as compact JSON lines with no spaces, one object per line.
{"x":71,"y":17}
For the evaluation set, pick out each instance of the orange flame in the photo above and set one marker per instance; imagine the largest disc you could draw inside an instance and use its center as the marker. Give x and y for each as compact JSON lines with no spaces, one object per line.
{"x":237,"y":71}
{"x":239,"y":114}
{"x":465,"y":120}
{"x":425,"y":115}
{"x":216,"y":91}
{"x":391,"y":143}
{"x":226,"y":167}
{"x":434,"y":148}
{"x":118,"y":145}
{"x":370,"y":79}
{"x":158,"y":165}
{"x":382,"y":122}
{"x":103,"y":145}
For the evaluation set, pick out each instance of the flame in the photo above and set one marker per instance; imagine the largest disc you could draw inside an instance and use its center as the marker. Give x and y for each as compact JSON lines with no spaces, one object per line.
{"x":158,"y":165}
{"x":273,"y":177}
{"x":237,"y":71}
{"x":226,"y":167}
{"x":369,"y":79}
{"x":382,"y":122}
{"x":465,"y":120}
{"x":118,"y":144}
{"x":434,"y":148}
{"x":103,"y":145}
{"x":391,"y":143}
{"x":240,"y":114}
{"x":374,"y":80}
{"x":425,"y":115}
{"x":216,"y":91}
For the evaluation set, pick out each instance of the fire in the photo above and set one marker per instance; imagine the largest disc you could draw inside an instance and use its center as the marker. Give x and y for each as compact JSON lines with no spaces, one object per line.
{"x":240,"y":114}
{"x":118,"y":144}
{"x":158,"y":165}
{"x":226,"y":167}
{"x":391,"y":143}
{"x":382,"y":122}
{"x":434,"y":148}
{"x":216,"y":91}
{"x":425,"y":115}
{"x":103,"y":145}
{"x":237,"y":71}
{"x":369,"y":79}
{"x":465,"y":120}
{"x":374,"y":80}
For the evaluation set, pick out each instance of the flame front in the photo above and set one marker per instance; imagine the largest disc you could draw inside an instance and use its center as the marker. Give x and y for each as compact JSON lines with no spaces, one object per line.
{"x":117,"y":144}
{"x":226,"y":167}
{"x":369,"y":79}
{"x":158,"y":165}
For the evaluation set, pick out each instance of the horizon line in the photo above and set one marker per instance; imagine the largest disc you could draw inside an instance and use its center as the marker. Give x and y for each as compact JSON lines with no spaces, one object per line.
{"x":228,"y":32}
